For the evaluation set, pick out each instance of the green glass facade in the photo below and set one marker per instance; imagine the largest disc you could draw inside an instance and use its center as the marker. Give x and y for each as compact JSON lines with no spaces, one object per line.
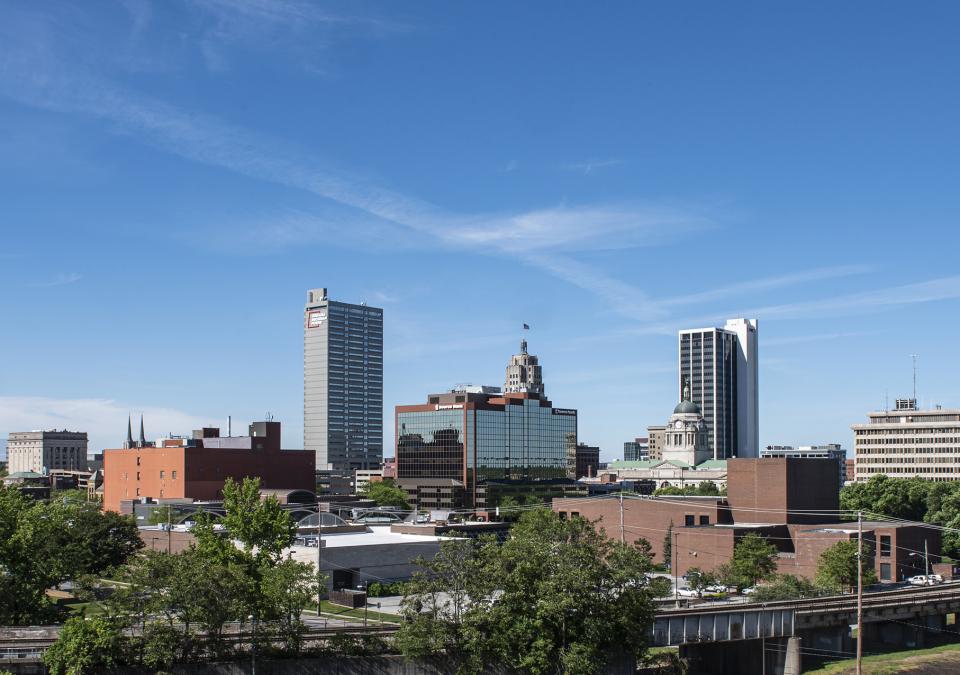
{"x":520,"y":439}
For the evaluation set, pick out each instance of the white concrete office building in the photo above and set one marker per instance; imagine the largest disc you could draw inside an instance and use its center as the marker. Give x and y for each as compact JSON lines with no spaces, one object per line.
{"x":907,"y":442}
{"x":720,"y":365}
{"x":43,"y":451}
{"x":342,"y":383}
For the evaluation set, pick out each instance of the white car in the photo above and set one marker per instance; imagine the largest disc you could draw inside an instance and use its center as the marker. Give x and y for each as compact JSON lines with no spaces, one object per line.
{"x":717,"y":588}
{"x":750,"y":590}
{"x":921,"y":580}
{"x":688,"y":593}
{"x":936,"y":577}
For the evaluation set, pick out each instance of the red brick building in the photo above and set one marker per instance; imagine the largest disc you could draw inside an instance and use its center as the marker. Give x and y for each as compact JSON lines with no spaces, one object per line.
{"x":792,"y":502}
{"x":197,"y":468}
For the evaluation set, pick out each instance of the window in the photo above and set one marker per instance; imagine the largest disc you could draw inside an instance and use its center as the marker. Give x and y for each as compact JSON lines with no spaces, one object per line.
{"x":138,"y":492}
{"x":173,"y":474}
{"x":161,"y":474}
{"x":138,"y":460}
{"x":884,"y":571}
{"x":138,"y":475}
{"x":704,"y":520}
{"x":689,"y":521}
{"x":574,"y":514}
{"x":884,"y":545}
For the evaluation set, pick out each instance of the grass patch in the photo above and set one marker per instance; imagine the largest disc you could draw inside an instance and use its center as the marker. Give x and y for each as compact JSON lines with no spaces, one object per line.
{"x":895,"y":662}
{"x":329,"y":609}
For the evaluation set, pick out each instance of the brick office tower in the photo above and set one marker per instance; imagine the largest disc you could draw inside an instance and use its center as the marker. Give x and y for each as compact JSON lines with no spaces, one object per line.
{"x":342,"y":383}
{"x":196,"y":468}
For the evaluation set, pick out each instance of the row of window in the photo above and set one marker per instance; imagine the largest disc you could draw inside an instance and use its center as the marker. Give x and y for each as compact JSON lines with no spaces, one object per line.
{"x":173,"y":473}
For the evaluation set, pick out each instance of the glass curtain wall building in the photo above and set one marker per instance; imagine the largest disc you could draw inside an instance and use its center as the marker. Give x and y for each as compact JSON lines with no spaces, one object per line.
{"x":474,"y":438}
{"x":720,"y":366}
{"x":342,"y":383}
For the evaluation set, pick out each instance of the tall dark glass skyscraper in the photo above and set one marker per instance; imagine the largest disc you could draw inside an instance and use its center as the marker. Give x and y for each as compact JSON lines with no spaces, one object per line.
{"x":720,"y":366}
{"x":342,"y":383}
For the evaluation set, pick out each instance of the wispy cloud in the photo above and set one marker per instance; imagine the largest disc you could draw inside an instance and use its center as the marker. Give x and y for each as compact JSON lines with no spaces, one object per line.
{"x":105,"y":420}
{"x":818,"y":337}
{"x":766,"y":284}
{"x":548,"y":238}
{"x":591,"y":165}
{"x":58,"y":280}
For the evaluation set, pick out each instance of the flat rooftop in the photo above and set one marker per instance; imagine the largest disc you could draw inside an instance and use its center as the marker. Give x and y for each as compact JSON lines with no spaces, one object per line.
{"x":376,"y":536}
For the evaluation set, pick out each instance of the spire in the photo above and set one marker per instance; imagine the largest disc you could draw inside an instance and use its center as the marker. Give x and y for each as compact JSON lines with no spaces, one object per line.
{"x":143,"y":441}
{"x":686,"y":388}
{"x":523,"y":346}
{"x":129,"y":443}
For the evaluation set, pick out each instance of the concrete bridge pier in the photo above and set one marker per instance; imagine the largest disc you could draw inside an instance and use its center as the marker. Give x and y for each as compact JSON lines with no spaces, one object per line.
{"x":772,"y":656}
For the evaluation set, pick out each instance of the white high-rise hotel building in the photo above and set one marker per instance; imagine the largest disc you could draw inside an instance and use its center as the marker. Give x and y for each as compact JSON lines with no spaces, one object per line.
{"x":720,"y":365}
{"x":342,"y":383}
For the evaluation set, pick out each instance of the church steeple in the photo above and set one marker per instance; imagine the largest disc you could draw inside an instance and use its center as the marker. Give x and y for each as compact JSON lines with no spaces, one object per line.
{"x":129,"y":442}
{"x":143,"y":441}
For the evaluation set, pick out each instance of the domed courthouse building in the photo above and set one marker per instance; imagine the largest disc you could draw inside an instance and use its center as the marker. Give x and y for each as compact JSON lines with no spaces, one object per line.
{"x":687,"y":458}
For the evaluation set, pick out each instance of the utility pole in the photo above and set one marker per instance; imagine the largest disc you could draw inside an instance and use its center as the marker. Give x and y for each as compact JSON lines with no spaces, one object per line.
{"x":914,"y":357}
{"x":622,"y":537}
{"x":859,"y":591}
{"x":676,"y":572}
{"x":168,"y":528}
{"x":926,"y":559}
{"x":320,"y":583}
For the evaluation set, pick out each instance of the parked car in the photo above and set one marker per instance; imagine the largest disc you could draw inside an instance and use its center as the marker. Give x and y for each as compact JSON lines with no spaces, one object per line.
{"x":718,"y":588}
{"x":936,"y":577}
{"x":688,"y":593}
{"x":921,"y":580}
{"x":750,"y":590}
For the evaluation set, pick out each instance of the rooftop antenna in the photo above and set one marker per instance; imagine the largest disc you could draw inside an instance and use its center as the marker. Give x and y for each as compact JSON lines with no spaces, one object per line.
{"x":229,"y":425}
{"x":914,"y":357}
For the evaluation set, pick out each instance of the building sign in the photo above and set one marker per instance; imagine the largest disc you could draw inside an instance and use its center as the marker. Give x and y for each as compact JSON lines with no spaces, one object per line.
{"x":455,"y":406}
{"x":315,"y":318}
{"x":564,"y":411}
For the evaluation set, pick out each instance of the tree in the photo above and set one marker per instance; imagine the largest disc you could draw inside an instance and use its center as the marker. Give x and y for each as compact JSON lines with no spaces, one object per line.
{"x":700,"y":580}
{"x":837,"y":566}
{"x":44,"y":544}
{"x":85,"y":647}
{"x":786,"y":587}
{"x":568,"y":599}
{"x":258,"y":523}
{"x":438,"y":606}
{"x":754,"y":559}
{"x":511,"y":508}
{"x":894,"y":497}
{"x":386,"y":493}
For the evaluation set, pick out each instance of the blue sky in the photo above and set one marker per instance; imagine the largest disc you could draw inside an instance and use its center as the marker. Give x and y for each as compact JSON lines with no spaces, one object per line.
{"x":175,"y":175}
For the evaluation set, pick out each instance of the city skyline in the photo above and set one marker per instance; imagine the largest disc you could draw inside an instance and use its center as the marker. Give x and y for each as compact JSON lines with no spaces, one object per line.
{"x":168,"y":200}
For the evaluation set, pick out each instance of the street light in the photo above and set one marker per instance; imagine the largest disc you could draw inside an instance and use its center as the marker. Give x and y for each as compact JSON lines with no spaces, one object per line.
{"x":253,"y":645}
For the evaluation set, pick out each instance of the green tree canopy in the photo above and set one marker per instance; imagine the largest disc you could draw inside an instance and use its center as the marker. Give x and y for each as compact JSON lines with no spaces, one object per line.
{"x":84,"y":647}
{"x":557,"y":596}
{"x":894,"y":497}
{"x":837,"y":566}
{"x":754,"y":559}
{"x":260,"y":524}
{"x":786,"y":587}
{"x":43,"y":544}
{"x":386,"y":493}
